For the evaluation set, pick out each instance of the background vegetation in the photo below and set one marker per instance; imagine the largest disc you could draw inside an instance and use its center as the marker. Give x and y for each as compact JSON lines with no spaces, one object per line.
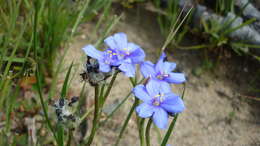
{"x":33,"y":33}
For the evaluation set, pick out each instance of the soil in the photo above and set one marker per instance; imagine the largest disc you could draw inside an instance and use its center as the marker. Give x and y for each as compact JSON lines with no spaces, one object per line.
{"x":215,"y":114}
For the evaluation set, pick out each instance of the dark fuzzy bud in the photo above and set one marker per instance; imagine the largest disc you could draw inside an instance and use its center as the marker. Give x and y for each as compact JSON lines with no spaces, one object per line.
{"x":73,"y":100}
{"x":92,"y":73}
{"x":61,"y":102}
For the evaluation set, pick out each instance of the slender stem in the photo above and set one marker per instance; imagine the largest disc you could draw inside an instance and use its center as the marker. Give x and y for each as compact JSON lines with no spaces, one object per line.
{"x":147,"y":132}
{"x":116,"y":108}
{"x":141,"y":130}
{"x":132,"y":81}
{"x":169,"y":131}
{"x":96,"y":117}
{"x":139,"y":121}
{"x":126,"y":121}
{"x":120,"y":104}
{"x":102,"y":90}
{"x":86,"y":114}
{"x":43,"y":104}
{"x":109,"y":88}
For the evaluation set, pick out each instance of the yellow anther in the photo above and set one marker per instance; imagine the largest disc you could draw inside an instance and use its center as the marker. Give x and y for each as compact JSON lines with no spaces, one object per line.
{"x":159,"y":77}
{"x":114,"y":53}
{"x":158,"y":95}
{"x":109,"y":51}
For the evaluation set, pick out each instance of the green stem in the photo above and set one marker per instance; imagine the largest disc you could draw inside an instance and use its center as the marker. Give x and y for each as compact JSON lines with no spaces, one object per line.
{"x":169,"y":131}
{"x":126,"y":121}
{"x":117,"y":107}
{"x":96,"y":117}
{"x":120,"y":104}
{"x":109,"y":88}
{"x":132,"y":81}
{"x":141,"y":130}
{"x":147,"y":132}
{"x":139,"y":121}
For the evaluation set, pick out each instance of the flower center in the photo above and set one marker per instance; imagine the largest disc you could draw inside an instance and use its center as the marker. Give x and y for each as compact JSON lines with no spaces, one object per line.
{"x":111,"y":53}
{"x":110,"y":56}
{"x":158,"y":99}
{"x":161,"y":76}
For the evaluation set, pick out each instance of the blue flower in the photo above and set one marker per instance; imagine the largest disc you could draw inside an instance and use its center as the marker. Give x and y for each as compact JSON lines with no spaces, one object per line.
{"x":106,"y":58}
{"x":130,"y":54}
{"x":157,"y":103}
{"x":161,"y":72}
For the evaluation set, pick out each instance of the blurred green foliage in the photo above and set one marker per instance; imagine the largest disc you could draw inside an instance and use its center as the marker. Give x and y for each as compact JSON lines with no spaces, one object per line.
{"x":32,"y":34}
{"x":212,"y":35}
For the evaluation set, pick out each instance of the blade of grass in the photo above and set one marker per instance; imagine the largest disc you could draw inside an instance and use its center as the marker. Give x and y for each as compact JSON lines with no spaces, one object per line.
{"x":173,"y":33}
{"x":80,"y":16}
{"x":39,"y":89}
{"x":65,"y":84}
{"x":60,"y":134}
{"x":147,"y":132}
{"x":239,"y":26}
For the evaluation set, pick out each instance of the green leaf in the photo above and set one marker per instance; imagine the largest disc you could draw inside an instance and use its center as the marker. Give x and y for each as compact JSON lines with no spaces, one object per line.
{"x":60,"y":135}
{"x":65,"y":84}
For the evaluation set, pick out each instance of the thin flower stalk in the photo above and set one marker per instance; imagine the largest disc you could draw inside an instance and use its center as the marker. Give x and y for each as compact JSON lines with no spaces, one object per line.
{"x":96,"y":117}
{"x":147,"y":132}
{"x":126,"y":121}
{"x":140,"y":125}
{"x":169,"y":131}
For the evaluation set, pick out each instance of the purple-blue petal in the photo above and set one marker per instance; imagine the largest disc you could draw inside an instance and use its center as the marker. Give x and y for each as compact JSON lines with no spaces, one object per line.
{"x":120,"y":40}
{"x":153,"y":88}
{"x":132,"y":46}
{"x":172,"y":103}
{"x":163,"y":56}
{"x":104,"y":67}
{"x":147,"y":69}
{"x":137,"y":56}
{"x":159,"y":66}
{"x":145,"y":110}
{"x":141,"y":93}
{"x":169,"y":66}
{"x":128,"y":69}
{"x":176,"y":78}
{"x":164,"y":86}
{"x":109,"y":41}
{"x":93,"y":52}
{"x":160,"y":118}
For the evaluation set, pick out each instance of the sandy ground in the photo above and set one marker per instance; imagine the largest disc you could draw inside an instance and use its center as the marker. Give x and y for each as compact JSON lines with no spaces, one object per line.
{"x":215,"y":115}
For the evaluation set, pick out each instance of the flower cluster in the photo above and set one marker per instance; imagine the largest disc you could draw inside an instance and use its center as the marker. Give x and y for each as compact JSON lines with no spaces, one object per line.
{"x":158,"y":99}
{"x":119,"y":53}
